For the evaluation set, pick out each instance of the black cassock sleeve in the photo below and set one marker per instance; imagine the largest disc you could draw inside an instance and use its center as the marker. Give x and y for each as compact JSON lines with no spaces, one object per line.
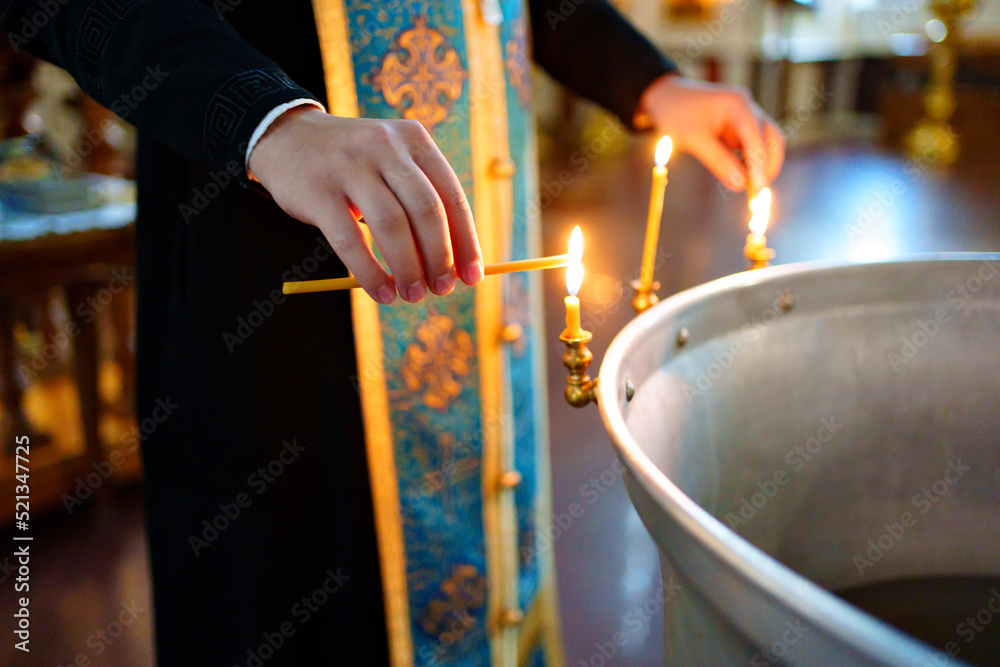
{"x":591,"y":49}
{"x":179,"y":72}
{"x":173,"y":68}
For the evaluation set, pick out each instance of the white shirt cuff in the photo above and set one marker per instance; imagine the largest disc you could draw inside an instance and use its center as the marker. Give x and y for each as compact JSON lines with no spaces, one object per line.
{"x":266,"y":123}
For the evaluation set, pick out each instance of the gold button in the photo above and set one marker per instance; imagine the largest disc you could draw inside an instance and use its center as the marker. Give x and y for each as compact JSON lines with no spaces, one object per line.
{"x":511,"y":617}
{"x":510,"y":479}
{"x":511,"y":333}
{"x":502,"y":167}
{"x":642,"y":121}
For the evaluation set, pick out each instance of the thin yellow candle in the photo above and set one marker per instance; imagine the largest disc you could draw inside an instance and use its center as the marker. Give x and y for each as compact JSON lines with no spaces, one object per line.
{"x":350,"y":282}
{"x":663,"y":149}
{"x":760,"y":209}
{"x":574,"y":278}
{"x":756,"y":250}
{"x":573,"y":326}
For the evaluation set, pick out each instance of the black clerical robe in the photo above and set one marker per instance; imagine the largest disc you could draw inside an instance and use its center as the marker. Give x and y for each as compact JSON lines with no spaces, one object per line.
{"x":260,"y":522}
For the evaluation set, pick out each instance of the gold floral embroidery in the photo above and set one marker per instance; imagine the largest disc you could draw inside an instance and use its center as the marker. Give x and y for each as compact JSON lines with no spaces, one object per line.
{"x":516,"y":61}
{"x":463,"y":592}
{"x":435,"y":361}
{"x":421,"y":76}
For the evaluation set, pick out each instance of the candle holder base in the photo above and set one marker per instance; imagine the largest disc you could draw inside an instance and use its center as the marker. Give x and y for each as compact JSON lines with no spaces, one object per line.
{"x":645,"y":297}
{"x":581,"y":389}
{"x":758,"y":254}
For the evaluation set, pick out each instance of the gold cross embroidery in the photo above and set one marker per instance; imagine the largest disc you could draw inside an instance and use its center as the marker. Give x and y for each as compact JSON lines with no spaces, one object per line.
{"x":421,"y":76}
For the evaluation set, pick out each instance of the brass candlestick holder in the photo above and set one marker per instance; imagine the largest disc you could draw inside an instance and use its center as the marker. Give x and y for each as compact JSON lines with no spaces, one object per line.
{"x":645,"y":295}
{"x":581,"y":389}
{"x":757,"y":252}
{"x":933,"y":140}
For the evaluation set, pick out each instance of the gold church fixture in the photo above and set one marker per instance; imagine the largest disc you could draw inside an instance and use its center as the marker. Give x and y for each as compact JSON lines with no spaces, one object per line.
{"x":580,"y":387}
{"x":933,"y":141}
{"x":756,"y":250}
{"x":350,"y":282}
{"x":645,"y":288}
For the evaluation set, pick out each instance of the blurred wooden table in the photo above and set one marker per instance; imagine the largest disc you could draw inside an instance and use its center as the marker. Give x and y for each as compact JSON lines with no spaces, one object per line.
{"x":80,"y":251}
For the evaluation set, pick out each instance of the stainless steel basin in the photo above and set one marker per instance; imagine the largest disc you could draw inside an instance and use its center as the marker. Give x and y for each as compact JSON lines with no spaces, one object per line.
{"x":810,"y":428}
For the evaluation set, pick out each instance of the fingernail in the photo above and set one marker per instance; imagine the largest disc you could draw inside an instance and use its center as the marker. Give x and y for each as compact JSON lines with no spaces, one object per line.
{"x":444,"y":284}
{"x":415,"y":292}
{"x":473,"y":273}
{"x":385,"y":294}
{"x":739,"y":181}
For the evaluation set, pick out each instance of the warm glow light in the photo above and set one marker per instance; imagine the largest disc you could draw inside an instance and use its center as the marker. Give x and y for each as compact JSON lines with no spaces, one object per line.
{"x":761,"y":209}
{"x":663,"y":149}
{"x":574,"y":271}
{"x":936,"y":30}
{"x":576,"y":246}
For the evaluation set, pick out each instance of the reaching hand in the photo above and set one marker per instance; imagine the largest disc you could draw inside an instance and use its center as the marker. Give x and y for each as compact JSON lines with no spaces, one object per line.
{"x":711,"y":121}
{"x":329,"y":171}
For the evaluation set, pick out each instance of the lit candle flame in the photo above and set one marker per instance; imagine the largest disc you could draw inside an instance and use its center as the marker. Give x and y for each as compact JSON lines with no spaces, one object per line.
{"x":663,"y":150}
{"x":761,"y":209}
{"x":574,"y":271}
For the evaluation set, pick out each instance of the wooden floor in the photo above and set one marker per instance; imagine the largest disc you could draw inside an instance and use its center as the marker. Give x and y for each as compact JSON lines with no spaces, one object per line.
{"x":90,"y":567}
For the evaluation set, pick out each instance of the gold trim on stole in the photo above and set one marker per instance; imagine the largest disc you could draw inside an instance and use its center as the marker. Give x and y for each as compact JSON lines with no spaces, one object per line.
{"x":341,"y":93}
{"x":542,"y":620}
{"x":493,"y":200}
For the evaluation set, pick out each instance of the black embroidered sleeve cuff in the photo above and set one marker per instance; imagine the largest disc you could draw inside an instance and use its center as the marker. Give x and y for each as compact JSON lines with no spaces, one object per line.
{"x":236,"y":109}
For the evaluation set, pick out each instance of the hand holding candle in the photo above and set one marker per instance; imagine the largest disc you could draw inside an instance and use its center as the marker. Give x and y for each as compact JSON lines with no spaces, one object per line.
{"x":574,"y":278}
